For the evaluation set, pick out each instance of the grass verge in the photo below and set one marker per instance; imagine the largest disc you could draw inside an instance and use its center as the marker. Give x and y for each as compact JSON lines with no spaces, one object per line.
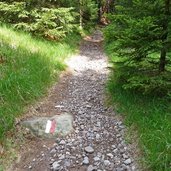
{"x":151,"y":118}
{"x":27,"y":67}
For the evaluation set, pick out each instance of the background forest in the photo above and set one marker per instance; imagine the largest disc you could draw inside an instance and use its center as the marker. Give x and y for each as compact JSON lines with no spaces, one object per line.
{"x":37,"y":35}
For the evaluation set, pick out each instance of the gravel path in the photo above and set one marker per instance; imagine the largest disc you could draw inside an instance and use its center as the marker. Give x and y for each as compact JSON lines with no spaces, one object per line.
{"x":97,"y":142}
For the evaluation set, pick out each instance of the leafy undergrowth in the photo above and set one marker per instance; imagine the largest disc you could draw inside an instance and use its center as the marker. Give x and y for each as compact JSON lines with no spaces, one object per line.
{"x":150,"y":116}
{"x":27,"y":67}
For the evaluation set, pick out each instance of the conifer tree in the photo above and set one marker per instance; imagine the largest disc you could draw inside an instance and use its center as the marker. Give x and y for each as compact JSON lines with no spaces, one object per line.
{"x":139,"y":35}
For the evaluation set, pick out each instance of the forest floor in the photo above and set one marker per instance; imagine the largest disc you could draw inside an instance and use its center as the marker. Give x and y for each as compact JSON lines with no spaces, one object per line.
{"x":98,"y":141}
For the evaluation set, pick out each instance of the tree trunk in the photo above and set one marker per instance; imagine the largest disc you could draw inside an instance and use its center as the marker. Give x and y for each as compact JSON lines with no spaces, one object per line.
{"x":112,"y":6}
{"x":99,"y":10}
{"x":162,"y":63}
{"x":163,"y":53}
{"x":81,"y":14}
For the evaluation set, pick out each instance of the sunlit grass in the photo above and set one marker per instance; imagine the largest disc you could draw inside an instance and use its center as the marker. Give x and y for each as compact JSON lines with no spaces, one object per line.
{"x":27,"y":67}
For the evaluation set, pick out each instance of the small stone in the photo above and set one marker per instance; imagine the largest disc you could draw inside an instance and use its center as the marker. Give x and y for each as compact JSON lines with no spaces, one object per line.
{"x":115,"y":150}
{"x":79,"y":156}
{"x":112,"y":165}
{"x":59,"y":106}
{"x":133,"y":168}
{"x":89,"y":149}
{"x":110,"y":155}
{"x":82,"y":127}
{"x":95,"y":129}
{"x":119,"y":169}
{"x":111,"y":139}
{"x":67,"y":163}
{"x":88,"y":106}
{"x":113,"y":146}
{"x":53,"y":151}
{"x":77,"y":131}
{"x":118,"y":135}
{"x":62,"y":142}
{"x":99,"y":154}
{"x":96,"y":158}
{"x":86,"y":160}
{"x":62,"y":157}
{"x":97,"y":136}
{"x":125,"y":156}
{"x":98,"y":124}
{"x":91,"y":168}
{"x":106,"y":162}
{"x":122,"y":126}
{"x":128,"y":161}
{"x":30,"y":167}
{"x":122,"y":151}
{"x":56,"y":166}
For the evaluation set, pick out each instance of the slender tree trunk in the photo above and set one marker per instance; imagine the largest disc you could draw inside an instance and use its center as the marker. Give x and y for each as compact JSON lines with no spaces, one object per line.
{"x":163,"y":53}
{"x":99,"y":10}
{"x":162,"y":63}
{"x":81,"y":14}
{"x":112,"y":6}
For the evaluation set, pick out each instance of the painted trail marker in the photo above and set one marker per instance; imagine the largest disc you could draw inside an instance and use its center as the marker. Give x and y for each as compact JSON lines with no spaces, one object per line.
{"x":50,"y":127}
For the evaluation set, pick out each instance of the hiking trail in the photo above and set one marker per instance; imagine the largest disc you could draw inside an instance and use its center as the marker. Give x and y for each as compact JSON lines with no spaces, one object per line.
{"x":97,"y":142}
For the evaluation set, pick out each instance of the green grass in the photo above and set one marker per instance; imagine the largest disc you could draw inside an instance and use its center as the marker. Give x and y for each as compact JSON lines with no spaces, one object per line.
{"x":29,"y":67}
{"x":151,"y":118}
{"x":147,"y":116}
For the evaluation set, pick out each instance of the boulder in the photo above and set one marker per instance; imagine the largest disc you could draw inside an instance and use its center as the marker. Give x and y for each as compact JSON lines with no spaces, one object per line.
{"x":50,"y":127}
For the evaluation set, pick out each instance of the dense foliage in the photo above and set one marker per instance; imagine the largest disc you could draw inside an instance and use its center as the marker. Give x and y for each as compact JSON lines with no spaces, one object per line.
{"x":138,"y":42}
{"x":139,"y":37}
{"x":50,"y":19}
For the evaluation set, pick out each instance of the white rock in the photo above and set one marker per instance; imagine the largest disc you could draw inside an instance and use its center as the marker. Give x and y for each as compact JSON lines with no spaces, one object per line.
{"x":115,"y":150}
{"x":82,"y":126}
{"x":125,"y":156}
{"x":128,"y":161}
{"x":67,"y":163}
{"x":97,"y":136}
{"x":86,"y":160}
{"x":98,"y":124}
{"x":99,"y":154}
{"x":62,"y":142}
{"x":96,"y":158}
{"x":62,"y":157}
{"x":114,"y":146}
{"x":91,"y":168}
{"x":110,"y":155}
{"x":53,"y":151}
{"x":89,"y":149}
{"x":77,"y":131}
{"x":68,"y":153}
{"x":106,"y":162}
{"x":56,"y":166}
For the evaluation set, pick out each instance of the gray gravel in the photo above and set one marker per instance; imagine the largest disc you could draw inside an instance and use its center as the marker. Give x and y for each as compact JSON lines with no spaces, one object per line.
{"x":97,"y":142}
